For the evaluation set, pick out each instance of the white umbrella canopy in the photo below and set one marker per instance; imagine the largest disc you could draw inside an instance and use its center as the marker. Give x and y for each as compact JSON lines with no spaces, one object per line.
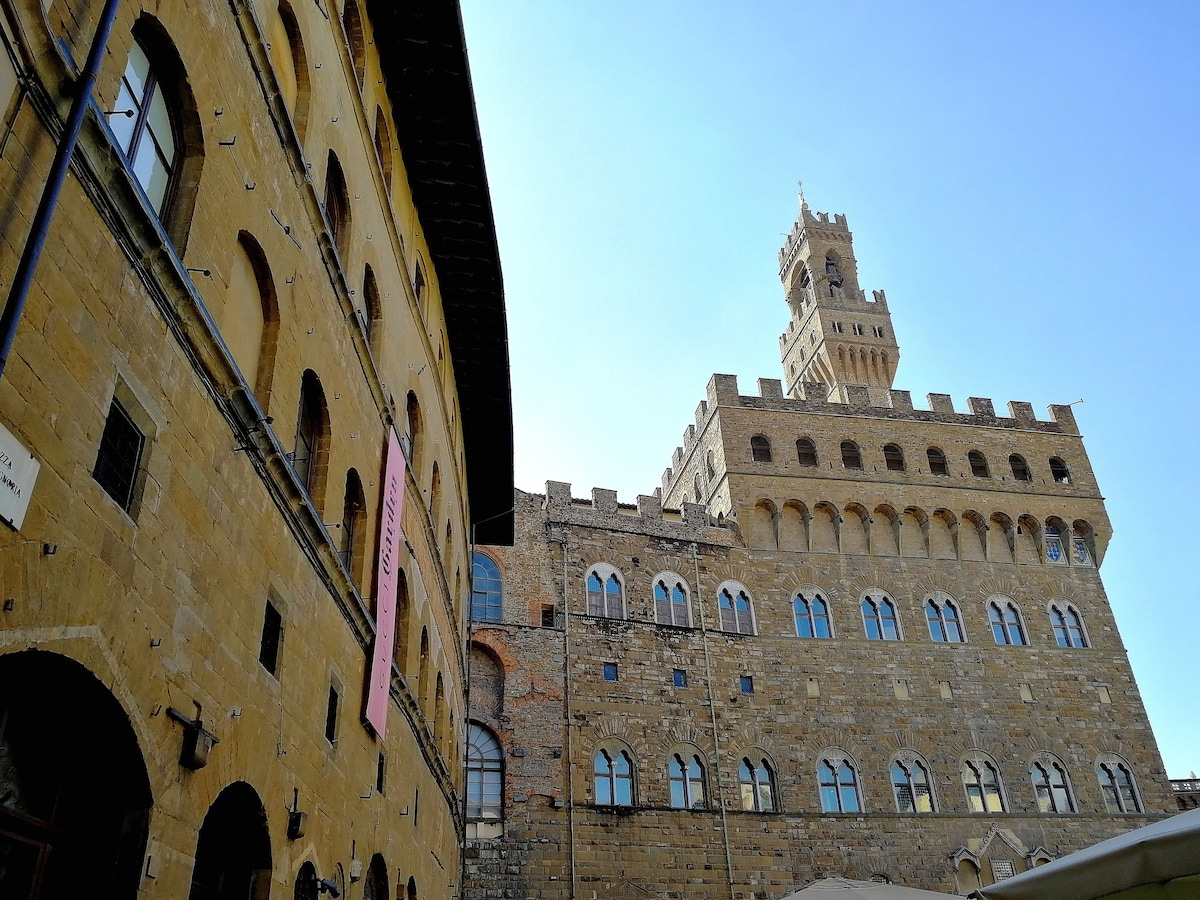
{"x":847,"y":889}
{"x":1158,"y":862}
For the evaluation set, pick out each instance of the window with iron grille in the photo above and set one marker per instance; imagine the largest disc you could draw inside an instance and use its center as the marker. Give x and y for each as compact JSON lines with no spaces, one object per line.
{"x":120,"y":458}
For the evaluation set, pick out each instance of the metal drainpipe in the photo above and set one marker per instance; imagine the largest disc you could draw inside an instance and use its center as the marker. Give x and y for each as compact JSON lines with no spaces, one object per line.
{"x":23,"y":278}
{"x":712,"y":711}
{"x":570,"y":757}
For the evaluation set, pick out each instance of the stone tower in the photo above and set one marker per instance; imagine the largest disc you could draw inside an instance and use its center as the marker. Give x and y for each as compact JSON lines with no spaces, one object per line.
{"x":835,"y":335}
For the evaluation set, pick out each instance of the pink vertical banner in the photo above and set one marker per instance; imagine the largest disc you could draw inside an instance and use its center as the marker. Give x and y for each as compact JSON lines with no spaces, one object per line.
{"x":391,"y":537}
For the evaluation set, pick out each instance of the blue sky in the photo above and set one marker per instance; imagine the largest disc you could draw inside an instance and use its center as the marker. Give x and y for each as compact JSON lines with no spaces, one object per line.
{"x":1020,"y":177}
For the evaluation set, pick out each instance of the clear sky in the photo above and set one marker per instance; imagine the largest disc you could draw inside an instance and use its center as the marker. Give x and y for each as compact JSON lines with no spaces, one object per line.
{"x":1021,"y":177}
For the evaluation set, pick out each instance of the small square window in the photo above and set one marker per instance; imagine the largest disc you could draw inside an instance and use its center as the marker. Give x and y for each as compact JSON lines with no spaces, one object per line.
{"x":878,"y":329}
{"x":837,"y":326}
{"x":120,"y":456}
{"x":858,"y":329}
{"x":610,"y":671}
{"x":547,"y":615}
{"x":747,"y":684}
{"x":679,"y":677}
{"x":272,"y":631}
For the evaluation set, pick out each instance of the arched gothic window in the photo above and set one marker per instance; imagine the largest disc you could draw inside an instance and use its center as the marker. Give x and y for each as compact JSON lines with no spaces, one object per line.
{"x":686,"y":777}
{"x":737,"y":614}
{"x":937,"y":462}
{"x":838,"y":783}
{"x":879,"y":618}
{"x":981,"y":781}
{"x":485,"y":774}
{"x":1051,"y":789}
{"x":757,"y":785}
{"x":614,"y":778}
{"x":910,"y":786}
{"x":486,"y":589}
{"x":671,"y":602}
{"x":812,"y":616}
{"x":1068,"y":629}
{"x":604,"y":594}
{"x":1006,"y":623}
{"x":1116,"y":784}
{"x":806,"y":452}
{"x":944,"y":624}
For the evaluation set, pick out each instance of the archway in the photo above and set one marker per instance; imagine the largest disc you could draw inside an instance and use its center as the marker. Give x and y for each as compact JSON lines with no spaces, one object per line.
{"x":233,"y":852}
{"x":74,"y":792}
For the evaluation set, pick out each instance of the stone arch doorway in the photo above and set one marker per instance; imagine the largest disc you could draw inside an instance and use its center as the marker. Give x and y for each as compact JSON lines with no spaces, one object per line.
{"x":233,"y":852}
{"x":74,"y":792}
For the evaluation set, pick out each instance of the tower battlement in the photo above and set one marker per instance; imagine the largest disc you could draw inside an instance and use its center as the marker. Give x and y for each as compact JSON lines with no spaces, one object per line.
{"x":855,"y":400}
{"x":827,"y":222}
{"x":692,"y":522}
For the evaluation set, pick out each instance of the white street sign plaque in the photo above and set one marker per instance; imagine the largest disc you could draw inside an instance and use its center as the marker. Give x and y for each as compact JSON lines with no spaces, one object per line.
{"x":18,"y":472}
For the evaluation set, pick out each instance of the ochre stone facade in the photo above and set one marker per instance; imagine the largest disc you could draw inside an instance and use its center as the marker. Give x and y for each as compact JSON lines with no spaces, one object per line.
{"x":294,"y":258}
{"x":997,"y":520}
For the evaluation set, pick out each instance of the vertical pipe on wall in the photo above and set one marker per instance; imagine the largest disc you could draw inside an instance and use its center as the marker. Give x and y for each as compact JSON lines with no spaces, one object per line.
{"x":569,"y":753}
{"x":712,"y":711}
{"x":23,"y":277}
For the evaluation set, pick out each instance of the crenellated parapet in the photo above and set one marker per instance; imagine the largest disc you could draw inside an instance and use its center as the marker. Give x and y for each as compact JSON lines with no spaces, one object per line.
{"x":850,"y":399}
{"x":603,"y":510}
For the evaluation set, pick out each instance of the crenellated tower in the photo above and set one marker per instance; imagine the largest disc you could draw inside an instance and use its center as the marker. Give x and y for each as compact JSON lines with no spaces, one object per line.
{"x":835,"y":335}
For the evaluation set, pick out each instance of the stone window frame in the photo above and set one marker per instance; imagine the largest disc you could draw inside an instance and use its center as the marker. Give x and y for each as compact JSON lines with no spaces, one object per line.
{"x":763,"y":772}
{"x":834,"y":758}
{"x":675,"y":581}
{"x":760,"y":449}
{"x":1047,"y":764}
{"x":1076,"y":632}
{"x":941,"y":601}
{"x":978,"y":761}
{"x":1000,"y":602}
{"x":936,"y":458}
{"x":685,"y":754}
{"x":806,"y":452}
{"x":604,"y":571}
{"x":979,"y":464}
{"x":909,"y":760}
{"x":808,"y":593}
{"x":893,"y":456}
{"x":1060,"y":472}
{"x":612,"y":749}
{"x":736,"y":589}
{"x":876,"y":597}
{"x":851,"y":455}
{"x":1020,"y":468}
{"x":1105,"y":764}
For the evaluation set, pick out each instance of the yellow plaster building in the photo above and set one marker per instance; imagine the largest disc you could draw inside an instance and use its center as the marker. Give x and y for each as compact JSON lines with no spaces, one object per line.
{"x":273,"y":249}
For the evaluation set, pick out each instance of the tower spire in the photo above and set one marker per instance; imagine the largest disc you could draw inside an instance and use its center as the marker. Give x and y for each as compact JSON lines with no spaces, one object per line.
{"x":836,"y":334}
